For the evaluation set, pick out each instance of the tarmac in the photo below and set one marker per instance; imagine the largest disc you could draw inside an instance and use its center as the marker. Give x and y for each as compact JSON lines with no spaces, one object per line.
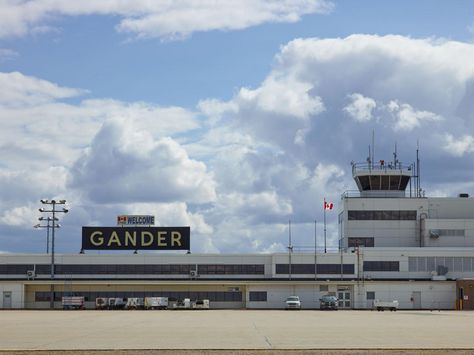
{"x":213,"y":330}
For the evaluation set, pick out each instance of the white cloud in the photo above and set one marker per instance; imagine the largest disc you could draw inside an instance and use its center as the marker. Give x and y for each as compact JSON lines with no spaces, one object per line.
{"x":360,"y":109}
{"x":37,"y":124}
{"x":407,"y":118}
{"x":459,"y":146}
{"x":269,"y":154}
{"x":161,"y":18}
{"x":19,"y":90}
{"x":23,"y":216}
{"x":7,"y":54}
{"x":282,"y":97}
{"x":126,"y":164}
{"x":21,"y":186}
{"x":262,"y":205}
{"x":172,"y":214}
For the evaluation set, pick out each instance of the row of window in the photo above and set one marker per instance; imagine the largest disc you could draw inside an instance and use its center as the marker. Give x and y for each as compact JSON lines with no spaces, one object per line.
{"x":361,"y":242}
{"x":384,"y":182}
{"x":381,"y":215}
{"x":431,"y":263}
{"x":258,"y":296}
{"x":217,"y":296}
{"x":134,"y":269}
{"x":236,"y":269}
{"x":448,"y":232}
{"x":304,"y":269}
{"x":381,"y":266}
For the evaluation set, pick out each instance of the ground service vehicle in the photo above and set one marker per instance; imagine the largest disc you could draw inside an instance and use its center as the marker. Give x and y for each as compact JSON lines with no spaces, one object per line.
{"x":101,"y":303}
{"x":293,"y":302}
{"x":182,"y":304}
{"x":135,"y":303}
{"x":200,"y":304}
{"x":117,"y":303}
{"x":73,"y":302}
{"x":328,"y":302}
{"x":156,"y":302}
{"x":383,"y":305}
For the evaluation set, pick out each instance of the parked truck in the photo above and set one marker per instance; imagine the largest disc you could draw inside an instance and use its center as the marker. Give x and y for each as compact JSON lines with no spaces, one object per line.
{"x":156,"y":302}
{"x":385,"y":305}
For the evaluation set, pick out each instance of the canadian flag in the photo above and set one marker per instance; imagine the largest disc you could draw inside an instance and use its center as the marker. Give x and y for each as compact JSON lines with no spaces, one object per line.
{"x":328,"y":205}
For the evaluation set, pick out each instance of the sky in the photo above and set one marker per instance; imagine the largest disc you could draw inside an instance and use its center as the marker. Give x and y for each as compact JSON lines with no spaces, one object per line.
{"x":231,"y":117}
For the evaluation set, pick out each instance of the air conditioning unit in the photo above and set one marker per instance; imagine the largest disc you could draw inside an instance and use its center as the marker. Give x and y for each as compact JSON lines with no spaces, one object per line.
{"x":30,"y":274}
{"x":442,"y":270}
{"x":434,"y":233}
{"x":193,"y":273}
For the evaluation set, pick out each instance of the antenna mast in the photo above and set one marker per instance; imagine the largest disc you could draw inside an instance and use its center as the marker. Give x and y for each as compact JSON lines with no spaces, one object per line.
{"x":418,"y":179}
{"x":373,"y":147}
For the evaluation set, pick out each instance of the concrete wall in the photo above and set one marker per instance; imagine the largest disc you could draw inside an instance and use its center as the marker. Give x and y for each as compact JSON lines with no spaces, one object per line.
{"x":434,"y":294}
{"x":448,"y":213}
{"x":17,"y":294}
{"x":449,"y":241}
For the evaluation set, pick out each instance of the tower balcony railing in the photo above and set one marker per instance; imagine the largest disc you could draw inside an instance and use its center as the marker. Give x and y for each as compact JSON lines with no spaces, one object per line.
{"x":383,"y":167}
{"x":374,"y":194}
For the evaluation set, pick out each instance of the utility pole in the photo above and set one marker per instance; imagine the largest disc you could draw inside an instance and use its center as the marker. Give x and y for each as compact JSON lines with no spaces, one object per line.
{"x":53,"y":211}
{"x":47,"y":226}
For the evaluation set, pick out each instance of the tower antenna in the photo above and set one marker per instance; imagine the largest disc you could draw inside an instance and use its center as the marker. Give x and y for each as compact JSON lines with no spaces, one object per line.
{"x":418,"y":179}
{"x":395,"y":156}
{"x":373,"y":147}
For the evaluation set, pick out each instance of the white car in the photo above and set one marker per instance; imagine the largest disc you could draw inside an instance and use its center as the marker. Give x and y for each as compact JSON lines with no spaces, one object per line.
{"x":293,"y":302}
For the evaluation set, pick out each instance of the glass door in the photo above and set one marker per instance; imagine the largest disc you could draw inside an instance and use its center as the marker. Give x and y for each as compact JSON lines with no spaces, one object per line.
{"x":344,"y":296}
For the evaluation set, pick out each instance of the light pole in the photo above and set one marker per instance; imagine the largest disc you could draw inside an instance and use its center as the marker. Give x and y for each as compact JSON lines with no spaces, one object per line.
{"x":53,"y":210}
{"x":47,"y":226}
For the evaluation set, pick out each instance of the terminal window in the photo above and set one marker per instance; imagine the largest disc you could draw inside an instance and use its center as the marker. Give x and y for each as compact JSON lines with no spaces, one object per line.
{"x":133,"y":269}
{"x":381,"y":215}
{"x":303,"y":269}
{"x":258,"y":296}
{"x":361,"y":242}
{"x":381,"y":266}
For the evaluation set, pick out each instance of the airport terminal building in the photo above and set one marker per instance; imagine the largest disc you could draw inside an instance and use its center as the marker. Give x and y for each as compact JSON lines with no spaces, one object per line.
{"x":395,"y":244}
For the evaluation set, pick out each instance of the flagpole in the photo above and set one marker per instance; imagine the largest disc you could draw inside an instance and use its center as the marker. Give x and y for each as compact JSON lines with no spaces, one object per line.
{"x":325,"y":249}
{"x":315,"y":254}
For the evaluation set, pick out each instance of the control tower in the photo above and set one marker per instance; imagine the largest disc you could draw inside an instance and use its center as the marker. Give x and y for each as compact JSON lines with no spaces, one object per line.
{"x":382,"y":179}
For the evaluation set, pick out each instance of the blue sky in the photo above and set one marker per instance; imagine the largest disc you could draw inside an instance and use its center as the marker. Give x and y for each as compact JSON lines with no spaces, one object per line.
{"x":236,"y":117}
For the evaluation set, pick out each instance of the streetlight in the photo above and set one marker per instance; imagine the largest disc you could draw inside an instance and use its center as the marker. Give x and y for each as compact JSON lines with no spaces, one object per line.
{"x":53,"y":210}
{"x":47,"y":226}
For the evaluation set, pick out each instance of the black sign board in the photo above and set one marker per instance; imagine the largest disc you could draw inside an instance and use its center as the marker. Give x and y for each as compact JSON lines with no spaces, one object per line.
{"x":133,"y":238}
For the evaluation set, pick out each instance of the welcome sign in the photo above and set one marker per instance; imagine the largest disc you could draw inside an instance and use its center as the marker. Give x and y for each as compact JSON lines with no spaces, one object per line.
{"x":134,"y":238}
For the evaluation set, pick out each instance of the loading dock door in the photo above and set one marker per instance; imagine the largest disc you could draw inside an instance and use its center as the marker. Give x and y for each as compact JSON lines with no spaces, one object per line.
{"x":416,"y":299}
{"x":7,"y":299}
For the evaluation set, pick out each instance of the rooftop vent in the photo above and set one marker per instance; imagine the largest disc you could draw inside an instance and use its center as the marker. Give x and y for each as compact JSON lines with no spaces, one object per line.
{"x":464,"y":195}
